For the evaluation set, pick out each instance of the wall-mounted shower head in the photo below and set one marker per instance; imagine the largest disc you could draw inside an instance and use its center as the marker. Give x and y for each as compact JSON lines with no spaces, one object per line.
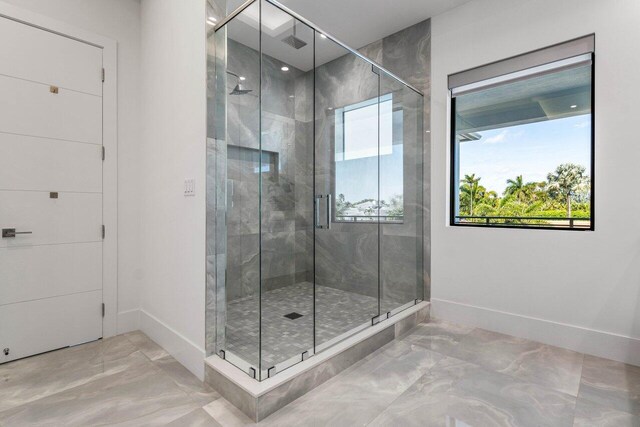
{"x":240,"y":89}
{"x":294,"y":41}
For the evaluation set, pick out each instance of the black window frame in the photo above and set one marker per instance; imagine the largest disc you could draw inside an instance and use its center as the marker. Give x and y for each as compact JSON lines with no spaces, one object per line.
{"x":453,"y":180}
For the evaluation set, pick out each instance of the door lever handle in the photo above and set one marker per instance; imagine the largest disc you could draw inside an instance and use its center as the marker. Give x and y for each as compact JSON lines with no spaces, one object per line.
{"x":11,"y":232}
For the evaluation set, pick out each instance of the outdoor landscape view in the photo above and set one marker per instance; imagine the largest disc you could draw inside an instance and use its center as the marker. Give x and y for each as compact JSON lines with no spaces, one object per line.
{"x":528,"y":175}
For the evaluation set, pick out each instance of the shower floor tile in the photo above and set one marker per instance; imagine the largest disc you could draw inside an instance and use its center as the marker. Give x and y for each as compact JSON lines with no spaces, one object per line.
{"x":337,"y":312}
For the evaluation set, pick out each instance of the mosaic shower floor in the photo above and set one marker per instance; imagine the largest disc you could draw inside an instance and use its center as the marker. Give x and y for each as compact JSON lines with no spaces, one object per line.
{"x":337,"y":312}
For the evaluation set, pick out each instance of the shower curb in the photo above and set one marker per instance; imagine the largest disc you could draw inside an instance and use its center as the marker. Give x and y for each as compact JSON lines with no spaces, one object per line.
{"x":259,"y":399}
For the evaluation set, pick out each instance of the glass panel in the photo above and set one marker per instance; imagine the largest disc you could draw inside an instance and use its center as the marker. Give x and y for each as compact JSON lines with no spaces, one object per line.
{"x":237,"y":152}
{"x":522,"y":154}
{"x":346,"y":182}
{"x":401,"y":192}
{"x":286,"y":190}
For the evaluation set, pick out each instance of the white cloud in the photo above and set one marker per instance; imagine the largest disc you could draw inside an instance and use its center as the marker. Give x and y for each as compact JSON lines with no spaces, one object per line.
{"x":497,"y":138}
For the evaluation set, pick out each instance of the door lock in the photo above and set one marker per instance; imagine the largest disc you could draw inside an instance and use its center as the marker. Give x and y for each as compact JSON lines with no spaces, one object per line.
{"x":11,"y":232}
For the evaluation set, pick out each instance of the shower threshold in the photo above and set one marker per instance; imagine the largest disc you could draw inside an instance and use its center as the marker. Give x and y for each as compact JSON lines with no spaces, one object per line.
{"x":259,"y":399}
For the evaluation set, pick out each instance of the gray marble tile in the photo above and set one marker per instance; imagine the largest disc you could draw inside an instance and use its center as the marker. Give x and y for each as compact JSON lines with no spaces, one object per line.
{"x":227,"y":415}
{"x":146,"y":345}
{"x":456,"y":391}
{"x":437,"y":335}
{"x":313,"y":378}
{"x":590,"y":414}
{"x":140,"y":395}
{"x":196,"y":418}
{"x":238,"y":397}
{"x":542,"y":364}
{"x":33,"y":378}
{"x":611,"y":384}
{"x":358,"y":394}
{"x":199,"y":391}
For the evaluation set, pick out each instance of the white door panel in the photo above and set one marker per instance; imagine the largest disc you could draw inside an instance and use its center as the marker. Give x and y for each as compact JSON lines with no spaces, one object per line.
{"x":30,"y":163}
{"x":29,"y":108}
{"x":41,"y":56}
{"x":61,"y":270}
{"x":51,"y":186}
{"x":46,"y":324}
{"x":71,"y":218}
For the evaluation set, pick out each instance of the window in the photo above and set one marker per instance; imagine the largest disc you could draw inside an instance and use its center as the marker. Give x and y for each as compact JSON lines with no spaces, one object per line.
{"x":522,"y":142}
{"x":356,"y":156}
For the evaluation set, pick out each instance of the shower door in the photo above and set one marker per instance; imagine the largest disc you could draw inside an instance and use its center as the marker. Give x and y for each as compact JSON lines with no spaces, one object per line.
{"x":346,"y":172}
{"x":314,"y":192}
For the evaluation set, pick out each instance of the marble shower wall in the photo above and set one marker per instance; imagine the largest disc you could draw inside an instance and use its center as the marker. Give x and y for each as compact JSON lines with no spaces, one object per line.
{"x":347,"y":254}
{"x":287,"y":199}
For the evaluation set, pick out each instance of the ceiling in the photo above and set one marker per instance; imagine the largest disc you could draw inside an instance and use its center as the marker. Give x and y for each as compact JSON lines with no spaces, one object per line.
{"x":360,"y":22}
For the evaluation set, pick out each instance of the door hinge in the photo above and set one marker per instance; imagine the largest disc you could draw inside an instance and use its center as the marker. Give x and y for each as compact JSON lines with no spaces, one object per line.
{"x":104,"y":231}
{"x":103,"y":75}
{"x":104,"y":153}
{"x":103,"y":309}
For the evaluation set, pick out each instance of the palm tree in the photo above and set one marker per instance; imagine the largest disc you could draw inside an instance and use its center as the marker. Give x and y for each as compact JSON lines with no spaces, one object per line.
{"x":470,"y":188}
{"x":514,"y":187}
{"x":567,"y":180}
{"x":519,"y":190}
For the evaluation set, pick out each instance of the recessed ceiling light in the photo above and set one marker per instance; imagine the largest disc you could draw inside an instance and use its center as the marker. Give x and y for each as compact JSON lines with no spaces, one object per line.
{"x":574,"y":106}
{"x":211,"y":20}
{"x":242,"y":78}
{"x":323,"y":36}
{"x":292,"y":96}
{"x":284,"y":68}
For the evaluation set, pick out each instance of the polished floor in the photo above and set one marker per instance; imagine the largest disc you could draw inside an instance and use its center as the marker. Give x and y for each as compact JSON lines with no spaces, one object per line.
{"x":438,"y":374}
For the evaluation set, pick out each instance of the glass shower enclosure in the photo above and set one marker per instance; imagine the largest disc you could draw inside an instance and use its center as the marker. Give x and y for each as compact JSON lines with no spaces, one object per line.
{"x":314,"y":191}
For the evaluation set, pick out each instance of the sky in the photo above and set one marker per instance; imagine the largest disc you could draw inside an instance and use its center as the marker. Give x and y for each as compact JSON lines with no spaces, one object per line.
{"x":531,"y":150}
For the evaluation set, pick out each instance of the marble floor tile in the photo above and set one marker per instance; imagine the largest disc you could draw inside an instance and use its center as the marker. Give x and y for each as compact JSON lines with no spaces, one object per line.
{"x":200,"y":392}
{"x":415,"y":380}
{"x":549,"y":366}
{"x":590,"y":414}
{"x":455,"y":392}
{"x":357,"y":395}
{"x":438,"y":336}
{"x":197,"y":418}
{"x":145,"y":344}
{"x":33,"y":378}
{"x":611,"y":384}
{"x":226,"y":414}
{"x":140,"y":395}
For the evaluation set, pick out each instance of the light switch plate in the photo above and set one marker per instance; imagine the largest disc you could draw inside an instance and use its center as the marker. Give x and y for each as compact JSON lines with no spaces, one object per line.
{"x":189,"y":187}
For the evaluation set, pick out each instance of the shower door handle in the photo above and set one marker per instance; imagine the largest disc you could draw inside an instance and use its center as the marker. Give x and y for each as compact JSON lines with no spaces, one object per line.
{"x":318,"y":201}
{"x":316,"y":206}
{"x":329,"y":207}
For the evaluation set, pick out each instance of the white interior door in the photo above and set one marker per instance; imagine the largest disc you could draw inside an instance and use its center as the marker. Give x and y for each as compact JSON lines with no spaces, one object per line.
{"x":50,"y":191}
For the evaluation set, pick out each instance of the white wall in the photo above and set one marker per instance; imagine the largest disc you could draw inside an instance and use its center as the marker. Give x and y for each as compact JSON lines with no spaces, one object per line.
{"x":120,"y":21}
{"x":173,"y":96}
{"x":585,"y":285}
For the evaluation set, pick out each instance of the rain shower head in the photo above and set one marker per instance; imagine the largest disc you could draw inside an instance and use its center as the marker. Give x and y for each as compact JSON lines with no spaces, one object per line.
{"x":294,"y":41}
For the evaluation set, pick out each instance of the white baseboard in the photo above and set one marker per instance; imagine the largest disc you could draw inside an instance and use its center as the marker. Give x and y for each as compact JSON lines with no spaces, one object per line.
{"x":128,"y":321}
{"x":589,"y":341}
{"x":182,"y":349}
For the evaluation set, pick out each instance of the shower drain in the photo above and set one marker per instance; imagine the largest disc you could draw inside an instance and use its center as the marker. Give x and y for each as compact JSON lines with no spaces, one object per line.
{"x":293,"y":316}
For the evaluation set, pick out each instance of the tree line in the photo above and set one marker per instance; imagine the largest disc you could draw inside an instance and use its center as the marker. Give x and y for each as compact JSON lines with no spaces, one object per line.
{"x":566,"y":192}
